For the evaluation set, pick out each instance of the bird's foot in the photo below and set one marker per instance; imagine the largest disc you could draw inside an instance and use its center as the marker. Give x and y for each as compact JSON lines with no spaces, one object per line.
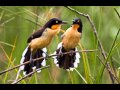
{"x":47,"y":56}
{"x":71,"y":52}
{"x":61,"y":53}
{"x":31,"y":62}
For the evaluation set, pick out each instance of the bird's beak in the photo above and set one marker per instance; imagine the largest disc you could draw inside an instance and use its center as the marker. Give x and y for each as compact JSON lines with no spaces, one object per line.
{"x":64,"y":22}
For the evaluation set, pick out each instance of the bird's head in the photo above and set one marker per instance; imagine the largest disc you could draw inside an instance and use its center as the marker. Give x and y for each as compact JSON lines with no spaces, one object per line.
{"x":54,"y":23}
{"x":77,"y":23}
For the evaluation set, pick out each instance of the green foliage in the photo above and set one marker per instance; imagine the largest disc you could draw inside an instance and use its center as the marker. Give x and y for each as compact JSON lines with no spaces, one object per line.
{"x":18,"y":22}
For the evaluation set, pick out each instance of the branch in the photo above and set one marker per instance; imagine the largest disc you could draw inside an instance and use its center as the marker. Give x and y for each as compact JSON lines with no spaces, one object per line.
{"x":7,"y":70}
{"x":16,"y":81}
{"x":109,"y":70}
{"x":95,"y":32}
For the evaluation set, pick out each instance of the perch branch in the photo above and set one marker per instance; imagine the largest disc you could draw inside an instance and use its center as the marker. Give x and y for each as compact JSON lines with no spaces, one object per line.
{"x":7,"y":70}
{"x":16,"y":81}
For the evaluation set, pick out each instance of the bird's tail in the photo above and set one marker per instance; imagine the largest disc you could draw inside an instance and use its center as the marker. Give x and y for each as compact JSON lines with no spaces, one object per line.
{"x":66,"y":61}
{"x":27,"y":68}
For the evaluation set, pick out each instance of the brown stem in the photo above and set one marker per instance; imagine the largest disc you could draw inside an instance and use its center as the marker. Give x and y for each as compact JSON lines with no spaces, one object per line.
{"x":7,"y":70}
{"x":109,"y":71}
{"x":16,"y":81}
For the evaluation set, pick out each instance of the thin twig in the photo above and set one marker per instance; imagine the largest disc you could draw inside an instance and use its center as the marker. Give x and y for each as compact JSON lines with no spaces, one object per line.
{"x":7,"y":70}
{"x":109,"y":70}
{"x":112,"y":63}
{"x":16,"y":81}
{"x":95,"y":32}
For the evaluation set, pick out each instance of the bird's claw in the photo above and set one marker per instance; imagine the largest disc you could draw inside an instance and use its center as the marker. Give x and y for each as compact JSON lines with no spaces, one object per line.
{"x":31,"y":62}
{"x":71,"y":52}
{"x":46,"y":56}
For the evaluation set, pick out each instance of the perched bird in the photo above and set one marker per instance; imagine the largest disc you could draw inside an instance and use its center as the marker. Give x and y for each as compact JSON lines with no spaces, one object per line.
{"x":37,"y":44}
{"x":70,"y":40}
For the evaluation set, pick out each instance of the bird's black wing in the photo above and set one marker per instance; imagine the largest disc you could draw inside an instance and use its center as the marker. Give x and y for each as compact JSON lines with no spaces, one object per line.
{"x":36,"y":34}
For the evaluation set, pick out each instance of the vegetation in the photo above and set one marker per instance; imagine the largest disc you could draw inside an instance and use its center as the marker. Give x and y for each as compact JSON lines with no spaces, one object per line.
{"x":18,"y":22}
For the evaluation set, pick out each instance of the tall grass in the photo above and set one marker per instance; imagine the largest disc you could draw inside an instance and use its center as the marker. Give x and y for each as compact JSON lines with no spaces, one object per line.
{"x":18,"y":22}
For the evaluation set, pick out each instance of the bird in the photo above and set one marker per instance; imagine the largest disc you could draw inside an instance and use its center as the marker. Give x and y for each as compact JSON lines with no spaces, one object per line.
{"x":70,"y":40}
{"x":37,"y":43}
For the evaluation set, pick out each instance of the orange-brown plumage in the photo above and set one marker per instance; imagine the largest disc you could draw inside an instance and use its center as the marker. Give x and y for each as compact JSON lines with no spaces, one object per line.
{"x":71,"y":37}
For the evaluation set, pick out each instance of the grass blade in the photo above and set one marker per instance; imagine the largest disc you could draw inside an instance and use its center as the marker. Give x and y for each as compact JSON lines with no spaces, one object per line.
{"x":81,"y":76}
{"x":86,"y":66}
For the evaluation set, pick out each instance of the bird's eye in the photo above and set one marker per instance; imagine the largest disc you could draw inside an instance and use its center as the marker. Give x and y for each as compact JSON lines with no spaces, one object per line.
{"x":78,"y":21}
{"x":56,"y":21}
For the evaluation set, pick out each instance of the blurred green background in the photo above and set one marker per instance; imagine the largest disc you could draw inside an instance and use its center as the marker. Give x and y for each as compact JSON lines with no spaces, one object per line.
{"x":18,"y":22}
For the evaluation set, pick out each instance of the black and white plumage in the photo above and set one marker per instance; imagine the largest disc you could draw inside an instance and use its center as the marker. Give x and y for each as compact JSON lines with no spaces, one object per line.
{"x":67,"y":62}
{"x":70,"y":40}
{"x":37,"y":64}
